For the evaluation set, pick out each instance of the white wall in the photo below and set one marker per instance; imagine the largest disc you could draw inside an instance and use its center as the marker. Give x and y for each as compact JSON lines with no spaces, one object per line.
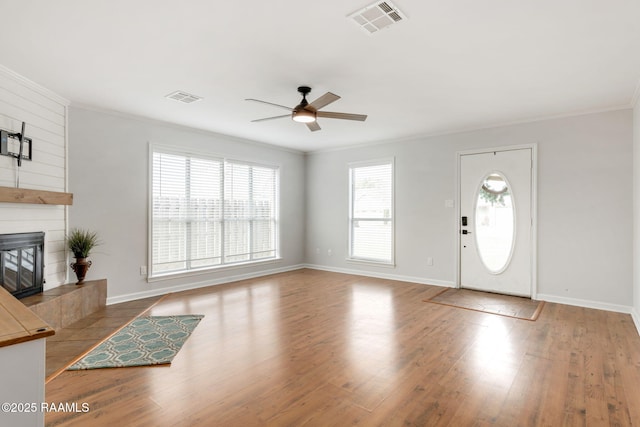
{"x":584,"y":206}
{"x":108,"y":174}
{"x":636,"y":209}
{"x":45,"y":115}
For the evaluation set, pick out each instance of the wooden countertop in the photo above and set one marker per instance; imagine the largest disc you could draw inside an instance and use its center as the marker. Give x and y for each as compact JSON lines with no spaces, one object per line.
{"x":18,"y":323}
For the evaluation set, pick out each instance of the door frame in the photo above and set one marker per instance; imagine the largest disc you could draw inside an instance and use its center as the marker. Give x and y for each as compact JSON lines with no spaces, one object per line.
{"x":534,"y":208}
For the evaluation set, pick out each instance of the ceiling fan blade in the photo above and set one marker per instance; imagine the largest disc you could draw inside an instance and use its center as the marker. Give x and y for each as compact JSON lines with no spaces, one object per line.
{"x":344,"y":116}
{"x":324,"y":100}
{"x":313,"y":126}
{"x":271,"y":118}
{"x":269,"y":103}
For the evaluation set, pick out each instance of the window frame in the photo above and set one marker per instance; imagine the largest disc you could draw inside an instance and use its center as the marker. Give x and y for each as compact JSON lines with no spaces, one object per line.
{"x":190,"y":271}
{"x":350,"y":256}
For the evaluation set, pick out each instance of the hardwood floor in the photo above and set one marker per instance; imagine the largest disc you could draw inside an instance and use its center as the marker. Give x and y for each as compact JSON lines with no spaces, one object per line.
{"x":69,"y":343}
{"x":312,"y":348}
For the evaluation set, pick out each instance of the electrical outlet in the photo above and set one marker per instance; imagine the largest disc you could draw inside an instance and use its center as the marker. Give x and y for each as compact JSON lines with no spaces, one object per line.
{"x":143,"y":270}
{"x":329,"y":252}
{"x":429,"y":261}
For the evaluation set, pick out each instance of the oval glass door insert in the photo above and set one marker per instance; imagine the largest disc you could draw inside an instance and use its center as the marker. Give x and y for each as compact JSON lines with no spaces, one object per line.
{"x":495,"y":223}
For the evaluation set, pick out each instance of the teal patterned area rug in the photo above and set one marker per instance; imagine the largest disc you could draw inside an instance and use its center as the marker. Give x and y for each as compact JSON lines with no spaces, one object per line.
{"x":149,"y":340}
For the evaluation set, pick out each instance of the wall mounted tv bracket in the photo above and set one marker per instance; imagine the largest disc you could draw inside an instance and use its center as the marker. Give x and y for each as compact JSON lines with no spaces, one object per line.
{"x":16,"y":145}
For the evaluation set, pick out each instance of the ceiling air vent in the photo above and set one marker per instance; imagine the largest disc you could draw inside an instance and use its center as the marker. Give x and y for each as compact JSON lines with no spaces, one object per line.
{"x":377,"y":16}
{"x":184,"y":97}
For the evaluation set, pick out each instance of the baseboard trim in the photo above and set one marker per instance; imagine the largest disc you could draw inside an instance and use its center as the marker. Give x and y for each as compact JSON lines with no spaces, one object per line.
{"x":544,"y":297}
{"x":636,"y":319}
{"x":411,"y":279}
{"x":586,"y":303}
{"x":398,"y":277}
{"x":200,"y":284}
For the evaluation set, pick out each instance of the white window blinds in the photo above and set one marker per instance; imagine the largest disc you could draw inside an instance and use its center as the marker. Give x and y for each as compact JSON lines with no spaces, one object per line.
{"x":371,"y":212}
{"x":208,"y":212}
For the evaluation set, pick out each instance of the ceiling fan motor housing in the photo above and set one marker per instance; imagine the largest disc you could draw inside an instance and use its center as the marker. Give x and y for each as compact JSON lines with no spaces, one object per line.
{"x":302,"y":112}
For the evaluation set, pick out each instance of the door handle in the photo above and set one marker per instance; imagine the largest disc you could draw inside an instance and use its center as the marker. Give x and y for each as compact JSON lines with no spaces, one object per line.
{"x":465,"y":232}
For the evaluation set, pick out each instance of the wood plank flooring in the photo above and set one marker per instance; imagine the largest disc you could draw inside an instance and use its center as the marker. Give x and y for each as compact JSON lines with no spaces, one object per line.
{"x":312,"y":348}
{"x":69,"y":343}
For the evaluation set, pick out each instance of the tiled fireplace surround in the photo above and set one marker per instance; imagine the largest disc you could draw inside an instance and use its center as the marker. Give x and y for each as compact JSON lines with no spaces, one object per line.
{"x":61,"y":306}
{"x":66,"y":304}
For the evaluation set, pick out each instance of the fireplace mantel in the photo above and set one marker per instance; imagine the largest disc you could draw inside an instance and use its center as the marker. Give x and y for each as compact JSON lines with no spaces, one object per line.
{"x":38,"y":197}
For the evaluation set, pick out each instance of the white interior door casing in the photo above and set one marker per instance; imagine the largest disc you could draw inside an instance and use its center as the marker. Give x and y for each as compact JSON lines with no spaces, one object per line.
{"x":512,"y":271}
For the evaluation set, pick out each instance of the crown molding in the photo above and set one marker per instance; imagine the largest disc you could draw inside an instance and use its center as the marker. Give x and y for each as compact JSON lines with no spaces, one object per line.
{"x":34,"y":86}
{"x":160,"y":122}
{"x":470,"y":129}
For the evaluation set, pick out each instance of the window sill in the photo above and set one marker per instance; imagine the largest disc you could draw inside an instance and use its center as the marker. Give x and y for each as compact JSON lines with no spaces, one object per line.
{"x":370,"y":262}
{"x":210,"y":270}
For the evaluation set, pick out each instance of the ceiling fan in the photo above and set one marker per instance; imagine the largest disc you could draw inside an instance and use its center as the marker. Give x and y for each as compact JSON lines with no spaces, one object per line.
{"x":307,"y":113}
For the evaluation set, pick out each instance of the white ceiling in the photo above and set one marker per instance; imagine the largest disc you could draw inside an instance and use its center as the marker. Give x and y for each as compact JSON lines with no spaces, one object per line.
{"x":451,"y":66}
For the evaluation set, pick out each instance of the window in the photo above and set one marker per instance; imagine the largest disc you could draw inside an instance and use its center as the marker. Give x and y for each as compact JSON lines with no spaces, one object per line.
{"x":371,"y":212}
{"x":208,"y":212}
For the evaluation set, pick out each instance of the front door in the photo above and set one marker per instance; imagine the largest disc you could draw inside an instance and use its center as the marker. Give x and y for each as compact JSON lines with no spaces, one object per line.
{"x":495,"y":221}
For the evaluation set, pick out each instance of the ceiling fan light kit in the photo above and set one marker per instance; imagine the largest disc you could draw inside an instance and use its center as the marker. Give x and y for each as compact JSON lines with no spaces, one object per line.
{"x":308,"y":113}
{"x":303,"y":116}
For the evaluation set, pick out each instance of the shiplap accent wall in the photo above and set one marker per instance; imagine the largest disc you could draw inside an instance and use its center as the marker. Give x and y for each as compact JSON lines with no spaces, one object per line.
{"x":45,"y":114}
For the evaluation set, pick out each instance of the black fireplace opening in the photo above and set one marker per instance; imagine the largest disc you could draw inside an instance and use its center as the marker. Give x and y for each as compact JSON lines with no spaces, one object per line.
{"x":21,"y":263}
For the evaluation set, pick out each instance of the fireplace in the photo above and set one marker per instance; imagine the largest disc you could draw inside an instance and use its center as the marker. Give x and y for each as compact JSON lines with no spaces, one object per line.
{"x":21,"y":263}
